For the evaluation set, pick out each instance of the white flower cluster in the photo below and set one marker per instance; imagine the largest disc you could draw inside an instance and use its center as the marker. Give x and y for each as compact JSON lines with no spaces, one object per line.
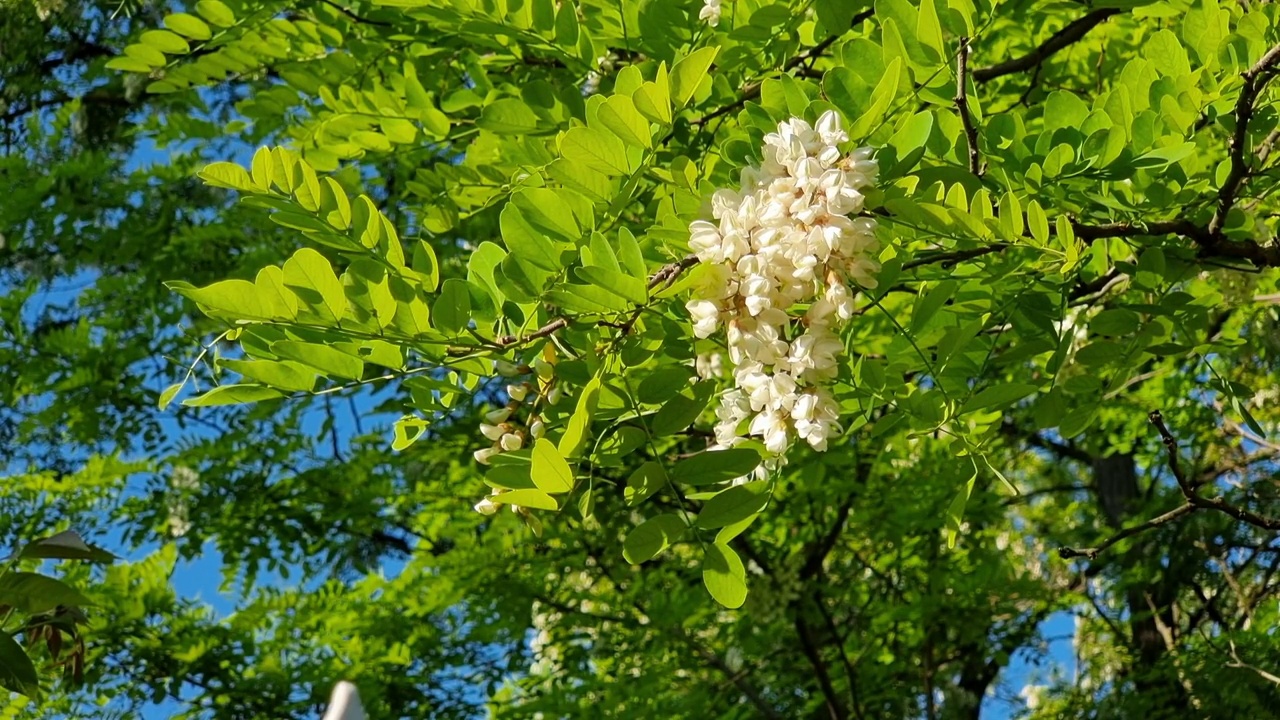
{"x":710,"y":12}
{"x":501,"y":426}
{"x":791,"y":235}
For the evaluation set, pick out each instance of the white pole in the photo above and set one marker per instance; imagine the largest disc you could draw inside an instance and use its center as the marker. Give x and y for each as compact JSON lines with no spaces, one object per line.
{"x":344,"y":704}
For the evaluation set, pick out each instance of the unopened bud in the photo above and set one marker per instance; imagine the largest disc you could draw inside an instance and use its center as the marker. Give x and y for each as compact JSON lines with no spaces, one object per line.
{"x":511,"y":442}
{"x":506,"y":369}
{"x":486,"y":507}
{"x":518,"y":392}
{"x":482,"y":455}
{"x":493,"y":432}
{"x":544,"y":369}
{"x":497,"y":416}
{"x":554,"y":395}
{"x":537,"y":429}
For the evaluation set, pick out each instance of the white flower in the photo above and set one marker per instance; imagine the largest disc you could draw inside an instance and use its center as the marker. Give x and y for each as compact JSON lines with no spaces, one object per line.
{"x":498,"y":416}
{"x":710,"y":12}
{"x":492,"y":432}
{"x":486,"y":507}
{"x":537,"y":429}
{"x":788,"y":235}
{"x":518,"y":392}
{"x":511,"y":442}
{"x":483,"y":454}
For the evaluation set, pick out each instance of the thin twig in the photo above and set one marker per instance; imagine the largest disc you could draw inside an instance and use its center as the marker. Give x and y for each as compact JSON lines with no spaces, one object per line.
{"x":1255,"y":79}
{"x":1189,"y":490}
{"x":1066,"y":553}
{"x":962,"y":106}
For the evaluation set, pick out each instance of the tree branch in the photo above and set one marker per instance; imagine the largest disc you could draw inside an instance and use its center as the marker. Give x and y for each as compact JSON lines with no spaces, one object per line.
{"x":1189,"y":490}
{"x":1255,"y":79}
{"x":962,"y":106}
{"x":1066,"y":553}
{"x":1068,"y":35}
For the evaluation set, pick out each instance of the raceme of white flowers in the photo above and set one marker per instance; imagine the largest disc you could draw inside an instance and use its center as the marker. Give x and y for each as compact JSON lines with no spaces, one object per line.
{"x":789,"y":236}
{"x":502,"y":427}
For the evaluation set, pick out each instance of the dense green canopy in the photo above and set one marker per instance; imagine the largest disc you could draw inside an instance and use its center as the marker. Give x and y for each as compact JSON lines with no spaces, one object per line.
{"x":290,"y":286}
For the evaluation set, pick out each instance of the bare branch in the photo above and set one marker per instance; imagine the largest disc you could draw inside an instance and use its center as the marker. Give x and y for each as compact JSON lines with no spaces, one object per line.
{"x":1066,"y":553}
{"x":1255,"y":79}
{"x":962,"y":106}
{"x":1068,"y":35}
{"x":1189,"y":490}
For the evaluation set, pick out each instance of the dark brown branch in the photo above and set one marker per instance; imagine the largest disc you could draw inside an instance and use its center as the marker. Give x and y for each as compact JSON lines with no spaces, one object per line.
{"x":1189,"y":489}
{"x":1072,"y":33}
{"x":1255,"y":79}
{"x":962,"y":106}
{"x":1066,"y":553}
{"x":834,"y":707}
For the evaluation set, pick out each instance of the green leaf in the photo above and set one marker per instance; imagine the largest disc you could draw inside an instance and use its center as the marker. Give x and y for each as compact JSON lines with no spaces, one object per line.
{"x":17,"y":672}
{"x":595,"y":149}
{"x":663,"y":383}
{"x":216,"y":12}
{"x":724,"y":576}
{"x":931,"y":302}
{"x":653,"y":101}
{"x":406,"y":431}
{"x":689,"y":73}
{"x":680,"y":411}
{"x":284,"y":375}
{"x":526,"y":241}
{"x":575,"y":432}
{"x":169,"y":394}
{"x":32,"y":593}
{"x":715,"y":466}
{"x":425,"y":263}
{"x":452,"y":310}
{"x":551,"y":473}
{"x":955,"y":510}
{"x":508,"y":116}
{"x":188,"y":26}
{"x":624,"y":286}
{"x":734,"y":505}
{"x":233,"y":395}
{"x":165,"y":41}
{"x":881,"y":98}
{"x":535,"y":499}
{"x":1038,"y":222}
{"x":647,"y":479}
{"x":1001,"y":396}
{"x":567,"y":24}
{"x":237,"y":299}
{"x":620,"y":116}
{"x":327,"y":360}
{"x":587,"y":299}
{"x":228,"y":175}
{"x":1116,"y":322}
{"x":66,"y":545}
{"x":311,"y":277}
{"x":929,"y":31}
{"x":651,"y":537}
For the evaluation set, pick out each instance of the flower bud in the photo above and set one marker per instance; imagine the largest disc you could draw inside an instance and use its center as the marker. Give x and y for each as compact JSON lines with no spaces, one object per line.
{"x":537,"y":429}
{"x":493,"y":432}
{"x":554,"y":395}
{"x":486,"y":507}
{"x":544,"y":369}
{"x":482,"y":455}
{"x":511,"y":442}
{"x":505,"y":369}
{"x":498,"y":416}
{"x":518,"y":391}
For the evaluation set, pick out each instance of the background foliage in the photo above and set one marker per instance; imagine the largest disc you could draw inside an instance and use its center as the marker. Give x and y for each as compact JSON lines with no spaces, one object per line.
{"x":1078,"y":230}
